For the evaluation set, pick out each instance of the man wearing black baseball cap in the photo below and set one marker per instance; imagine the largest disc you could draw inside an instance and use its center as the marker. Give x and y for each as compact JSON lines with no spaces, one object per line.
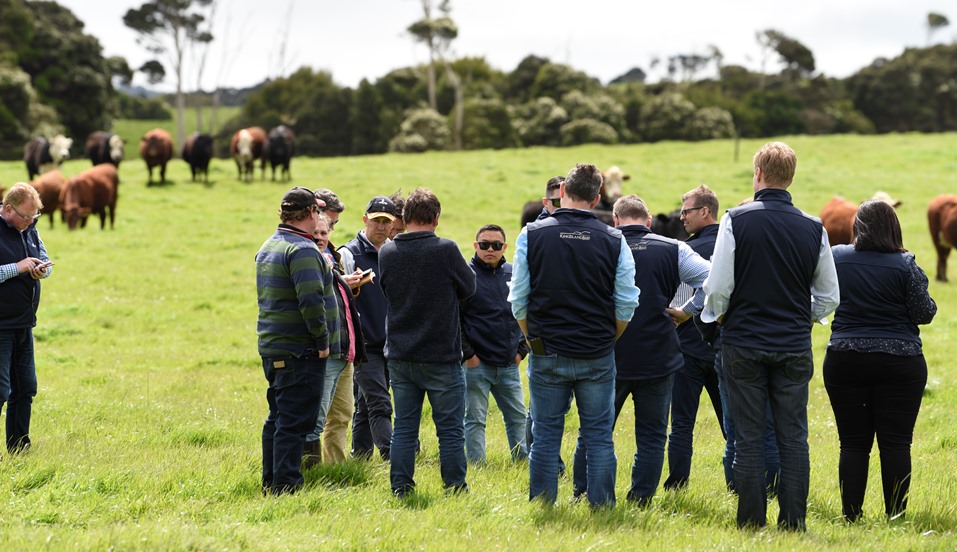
{"x":372,"y":424}
{"x":298,"y":318}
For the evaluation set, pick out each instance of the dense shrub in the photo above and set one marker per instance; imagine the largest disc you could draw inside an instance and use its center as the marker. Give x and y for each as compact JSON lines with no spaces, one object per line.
{"x":539,"y":122}
{"x":667,"y":117}
{"x":423,"y":129}
{"x":135,"y":107}
{"x":487,"y":125}
{"x":587,"y":131}
{"x":711,"y":123}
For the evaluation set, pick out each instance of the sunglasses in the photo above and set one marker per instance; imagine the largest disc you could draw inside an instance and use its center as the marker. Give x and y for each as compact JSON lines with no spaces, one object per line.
{"x":684,"y":212}
{"x":495,"y":245}
{"x":555,"y":201}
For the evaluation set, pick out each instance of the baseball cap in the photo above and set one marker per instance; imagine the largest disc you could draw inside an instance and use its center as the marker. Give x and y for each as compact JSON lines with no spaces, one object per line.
{"x":299,"y":198}
{"x":381,"y":206}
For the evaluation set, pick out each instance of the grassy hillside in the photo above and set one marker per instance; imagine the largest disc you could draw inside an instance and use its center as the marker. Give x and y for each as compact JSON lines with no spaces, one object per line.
{"x":147,"y":423}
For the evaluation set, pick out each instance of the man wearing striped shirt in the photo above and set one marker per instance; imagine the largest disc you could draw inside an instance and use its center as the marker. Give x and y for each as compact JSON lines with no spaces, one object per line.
{"x":298,"y":319}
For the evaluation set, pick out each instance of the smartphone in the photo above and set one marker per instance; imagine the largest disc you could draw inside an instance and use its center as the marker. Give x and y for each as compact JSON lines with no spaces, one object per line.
{"x":537,"y":345}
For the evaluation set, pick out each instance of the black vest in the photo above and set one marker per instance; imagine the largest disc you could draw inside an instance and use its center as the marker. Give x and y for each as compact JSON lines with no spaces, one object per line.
{"x":691,"y":342}
{"x":649,"y":347}
{"x":572,"y":264}
{"x":873,"y":295}
{"x":20,"y":295}
{"x":777,"y":248}
{"x":370,"y":301}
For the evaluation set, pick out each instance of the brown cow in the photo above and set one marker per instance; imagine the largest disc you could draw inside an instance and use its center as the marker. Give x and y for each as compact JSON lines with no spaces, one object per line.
{"x":49,"y":185}
{"x":156,"y":148}
{"x":942,"y":220}
{"x":246,"y":147}
{"x":838,"y":217}
{"x":92,"y":191}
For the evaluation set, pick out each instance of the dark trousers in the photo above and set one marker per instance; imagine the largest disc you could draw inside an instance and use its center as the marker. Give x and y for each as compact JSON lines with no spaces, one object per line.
{"x":18,"y":384}
{"x":295,"y":386}
{"x":696,"y":374}
{"x":372,"y":423}
{"x":874,"y":394}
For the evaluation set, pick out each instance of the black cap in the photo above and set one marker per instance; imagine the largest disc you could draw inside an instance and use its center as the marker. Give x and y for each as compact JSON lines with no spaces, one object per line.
{"x":298,"y":198}
{"x":381,"y":206}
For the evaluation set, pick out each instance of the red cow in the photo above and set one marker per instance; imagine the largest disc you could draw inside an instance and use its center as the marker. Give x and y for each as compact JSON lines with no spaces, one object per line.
{"x":942,"y":220}
{"x":838,"y":217}
{"x":49,"y":185}
{"x":246,"y":147}
{"x":156,"y":148}
{"x":92,"y":191}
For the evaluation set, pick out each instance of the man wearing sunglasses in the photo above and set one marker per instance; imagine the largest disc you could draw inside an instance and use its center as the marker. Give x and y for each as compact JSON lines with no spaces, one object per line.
{"x":493,"y":346}
{"x":23,"y":262}
{"x":573,"y":293}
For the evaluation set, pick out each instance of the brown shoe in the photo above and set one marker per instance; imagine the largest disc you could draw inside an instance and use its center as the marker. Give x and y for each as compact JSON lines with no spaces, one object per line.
{"x":312,"y":454}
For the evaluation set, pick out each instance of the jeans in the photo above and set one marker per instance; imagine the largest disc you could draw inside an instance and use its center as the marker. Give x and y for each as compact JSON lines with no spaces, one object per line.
{"x":874,"y":394}
{"x":295,"y":385}
{"x":696,"y":374}
{"x":772,"y":462}
{"x":505,"y":384}
{"x":338,"y":419}
{"x":372,"y":424}
{"x":754,"y":378}
{"x":651,"y":397}
{"x":445,"y":386}
{"x":552,"y":380}
{"x":334,"y":367}
{"x":18,"y":384}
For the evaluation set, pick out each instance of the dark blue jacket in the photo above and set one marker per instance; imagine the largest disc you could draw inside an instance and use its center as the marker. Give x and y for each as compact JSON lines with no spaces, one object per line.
{"x":572,"y":265}
{"x":370,"y":301}
{"x":20,"y":295}
{"x":488,"y":328}
{"x":777,"y":248}
{"x":692,"y":344}
{"x":649,"y":347}
{"x":873,"y":295}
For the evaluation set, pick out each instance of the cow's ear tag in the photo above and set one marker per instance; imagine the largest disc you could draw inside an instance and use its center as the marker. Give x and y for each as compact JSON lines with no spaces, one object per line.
{"x":279,"y":364}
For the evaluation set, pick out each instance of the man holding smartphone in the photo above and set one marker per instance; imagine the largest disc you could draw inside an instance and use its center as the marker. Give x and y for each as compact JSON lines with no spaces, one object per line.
{"x":23,"y":262}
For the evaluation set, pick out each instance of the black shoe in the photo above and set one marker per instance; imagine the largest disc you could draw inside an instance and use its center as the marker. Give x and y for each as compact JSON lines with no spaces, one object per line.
{"x":361,"y":454}
{"x":461,"y":488}
{"x":640,"y":501}
{"x":403,"y":492}
{"x":312,"y":454}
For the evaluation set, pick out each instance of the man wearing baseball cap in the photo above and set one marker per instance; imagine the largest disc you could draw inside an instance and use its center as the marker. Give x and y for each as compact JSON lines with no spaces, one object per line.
{"x":372,"y":424}
{"x":298,"y":319}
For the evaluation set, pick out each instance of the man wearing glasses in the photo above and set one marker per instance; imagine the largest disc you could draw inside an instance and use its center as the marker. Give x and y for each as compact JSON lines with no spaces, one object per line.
{"x":493,"y":346}
{"x":23,"y":262}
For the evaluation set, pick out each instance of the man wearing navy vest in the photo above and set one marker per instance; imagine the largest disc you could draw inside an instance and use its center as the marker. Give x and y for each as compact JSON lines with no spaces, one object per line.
{"x":648,"y":354}
{"x":772,"y":277}
{"x":23,"y":262}
{"x":573,"y":294}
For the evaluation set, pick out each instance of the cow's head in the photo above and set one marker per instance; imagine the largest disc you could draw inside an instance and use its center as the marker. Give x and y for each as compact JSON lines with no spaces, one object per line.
{"x":203,"y":145}
{"x":60,"y":148}
{"x":886,"y":198}
{"x":612,"y":181}
{"x":245,"y":144}
{"x":116,"y":148}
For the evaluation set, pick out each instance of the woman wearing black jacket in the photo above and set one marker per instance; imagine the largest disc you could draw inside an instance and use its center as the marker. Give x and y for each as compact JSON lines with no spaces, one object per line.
{"x":874,"y":369}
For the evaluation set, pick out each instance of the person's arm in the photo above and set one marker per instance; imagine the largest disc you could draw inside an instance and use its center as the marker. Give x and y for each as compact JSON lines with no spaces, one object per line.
{"x":626,"y":292}
{"x":921,"y":307}
{"x":45,"y":258}
{"x":521,"y":281}
{"x":825,"y":291}
{"x":693,"y":270}
{"x":462,"y":274}
{"x":720,"y":281}
{"x":310,"y":276}
{"x":348,"y":267}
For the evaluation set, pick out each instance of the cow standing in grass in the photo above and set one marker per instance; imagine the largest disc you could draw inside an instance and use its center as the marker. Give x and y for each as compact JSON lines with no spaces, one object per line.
{"x":42,"y":155}
{"x":246,"y":147}
{"x":49,"y":185}
{"x":838,"y":217}
{"x":279,"y":148}
{"x":92,"y":191}
{"x":104,"y":147}
{"x":156,"y":148}
{"x":197,"y":151}
{"x":942,"y":221}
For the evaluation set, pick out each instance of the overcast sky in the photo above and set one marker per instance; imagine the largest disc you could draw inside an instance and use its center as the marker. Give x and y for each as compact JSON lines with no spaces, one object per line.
{"x":356,"y":39}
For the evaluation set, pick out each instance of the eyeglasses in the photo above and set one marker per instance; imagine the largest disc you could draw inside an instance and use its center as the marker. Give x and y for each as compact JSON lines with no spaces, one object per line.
{"x":333,"y":223}
{"x":684,"y":212}
{"x":555,"y":201}
{"x":495,"y":245}
{"x":34,"y":217}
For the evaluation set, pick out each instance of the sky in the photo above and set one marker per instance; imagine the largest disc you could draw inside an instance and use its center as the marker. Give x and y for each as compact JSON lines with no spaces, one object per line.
{"x":356,"y":39}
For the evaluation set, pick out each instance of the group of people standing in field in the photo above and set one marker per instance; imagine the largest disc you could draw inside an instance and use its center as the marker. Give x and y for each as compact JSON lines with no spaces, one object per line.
{"x":602,"y":313}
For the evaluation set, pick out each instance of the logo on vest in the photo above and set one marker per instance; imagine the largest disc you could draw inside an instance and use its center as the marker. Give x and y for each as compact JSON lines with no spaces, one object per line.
{"x":585,"y":236}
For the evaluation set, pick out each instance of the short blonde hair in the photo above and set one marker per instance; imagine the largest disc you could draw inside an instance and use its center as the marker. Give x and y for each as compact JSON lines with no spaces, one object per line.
{"x":631,"y":207}
{"x":703,"y":196}
{"x":777,"y":162}
{"x":19,"y":193}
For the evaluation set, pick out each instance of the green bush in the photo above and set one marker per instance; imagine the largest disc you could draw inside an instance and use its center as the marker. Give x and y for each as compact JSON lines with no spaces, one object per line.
{"x":423,"y":129}
{"x":135,"y":107}
{"x":587,"y":131}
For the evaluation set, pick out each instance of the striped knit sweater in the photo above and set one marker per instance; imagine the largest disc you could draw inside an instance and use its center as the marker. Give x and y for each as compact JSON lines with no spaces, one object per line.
{"x":297,"y":303}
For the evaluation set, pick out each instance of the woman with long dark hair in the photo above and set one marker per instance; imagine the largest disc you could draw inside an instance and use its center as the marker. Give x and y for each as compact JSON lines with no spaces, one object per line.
{"x":874,"y":369}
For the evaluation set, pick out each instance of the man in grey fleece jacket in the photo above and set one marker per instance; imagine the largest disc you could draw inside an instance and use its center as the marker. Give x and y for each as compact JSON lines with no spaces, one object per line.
{"x":423,"y":278}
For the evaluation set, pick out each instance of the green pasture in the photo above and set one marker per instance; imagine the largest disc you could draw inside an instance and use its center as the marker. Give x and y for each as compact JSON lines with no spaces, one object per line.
{"x":146,"y":428}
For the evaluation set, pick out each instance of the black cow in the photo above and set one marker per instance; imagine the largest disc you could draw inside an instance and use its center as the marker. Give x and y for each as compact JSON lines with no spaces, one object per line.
{"x":197,"y":151}
{"x":42,"y":155}
{"x":104,"y":147}
{"x":669,"y":225}
{"x":279,"y":148}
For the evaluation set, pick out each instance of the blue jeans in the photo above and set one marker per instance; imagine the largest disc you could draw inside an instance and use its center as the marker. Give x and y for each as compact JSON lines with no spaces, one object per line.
{"x":334,"y":368}
{"x":772,"y":462}
{"x":696,"y":374}
{"x":445,"y":386}
{"x":551,"y":380}
{"x":295,"y":385}
{"x":505,"y":384}
{"x":754,"y":378}
{"x":18,"y":384}
{"x":652,"y":398}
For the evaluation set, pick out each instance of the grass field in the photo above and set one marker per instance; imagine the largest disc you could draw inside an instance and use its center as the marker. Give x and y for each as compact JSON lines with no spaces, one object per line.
{"x":146,"y":427}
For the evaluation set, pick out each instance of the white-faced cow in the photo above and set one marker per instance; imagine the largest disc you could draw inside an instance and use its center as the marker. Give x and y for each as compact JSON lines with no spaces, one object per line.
{"x":42,"y":155}
{"x":278,"y":151}
{"x":246,"y":147}
{"x":197,"y":151}
{"x":156,"y":148}
{"x":105,"y":147}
